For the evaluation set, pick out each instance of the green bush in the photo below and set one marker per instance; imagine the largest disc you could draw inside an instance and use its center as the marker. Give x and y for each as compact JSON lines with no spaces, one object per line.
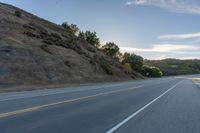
{"x":65,"y":25}
{"x":111,"y":49}
{"x":136,"y":61}
{"x":90,"y":37}
{"x":81,"y":35}
{"x":18,"y":13}
{"x":72,"y":28}
{"x":151,"y":71}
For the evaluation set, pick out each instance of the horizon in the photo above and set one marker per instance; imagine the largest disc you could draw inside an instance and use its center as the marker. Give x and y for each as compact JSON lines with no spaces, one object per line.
{"x":143,"y":27}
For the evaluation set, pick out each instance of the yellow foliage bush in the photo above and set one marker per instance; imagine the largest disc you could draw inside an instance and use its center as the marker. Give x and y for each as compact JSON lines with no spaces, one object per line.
{"x":127,"y":68}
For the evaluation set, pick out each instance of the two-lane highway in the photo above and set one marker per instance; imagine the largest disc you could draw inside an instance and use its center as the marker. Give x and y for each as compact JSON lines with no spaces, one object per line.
{"x":159,"y":105}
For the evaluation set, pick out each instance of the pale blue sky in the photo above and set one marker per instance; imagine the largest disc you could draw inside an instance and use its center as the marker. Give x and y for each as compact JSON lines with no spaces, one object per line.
{"x":152,"y":28}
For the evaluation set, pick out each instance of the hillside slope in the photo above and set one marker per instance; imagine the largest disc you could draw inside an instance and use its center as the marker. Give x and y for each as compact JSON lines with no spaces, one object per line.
{"x":35,"y":52}
{"x":176,"y":67}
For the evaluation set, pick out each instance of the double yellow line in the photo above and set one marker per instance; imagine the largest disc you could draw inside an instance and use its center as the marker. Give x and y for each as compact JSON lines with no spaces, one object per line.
{"x":62,"y":102}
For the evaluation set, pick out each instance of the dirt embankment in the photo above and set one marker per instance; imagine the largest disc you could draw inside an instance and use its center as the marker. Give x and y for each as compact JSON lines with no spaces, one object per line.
{"x":35,"y":52}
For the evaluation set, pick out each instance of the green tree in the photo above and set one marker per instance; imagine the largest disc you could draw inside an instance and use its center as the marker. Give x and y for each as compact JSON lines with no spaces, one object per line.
{"x":136,"y":61}
{"x":151,"y":71}
{"x":81,"y":35}
{"x":72,"y":28}
{"x":90,"y":37}
{"x":111,"y":49}
{"x":65,"y":25}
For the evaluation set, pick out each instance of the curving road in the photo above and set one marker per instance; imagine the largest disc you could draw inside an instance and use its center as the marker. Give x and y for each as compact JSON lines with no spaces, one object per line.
{"x":166,"y":105}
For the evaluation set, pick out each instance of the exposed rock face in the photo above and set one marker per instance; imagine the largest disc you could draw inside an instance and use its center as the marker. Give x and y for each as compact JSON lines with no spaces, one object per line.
{"x":34,"y":51}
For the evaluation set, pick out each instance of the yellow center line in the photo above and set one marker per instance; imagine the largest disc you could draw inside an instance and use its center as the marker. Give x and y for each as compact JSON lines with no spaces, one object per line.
{"x":62,"y":102}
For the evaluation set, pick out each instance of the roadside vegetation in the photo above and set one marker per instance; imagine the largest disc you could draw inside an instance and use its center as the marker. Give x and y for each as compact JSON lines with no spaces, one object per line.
{"x":90,"y":37}
{"x":130,"y":61}
{"x":151,"y":71}
{"x":18,"y":13}
{"x":172,"y":67}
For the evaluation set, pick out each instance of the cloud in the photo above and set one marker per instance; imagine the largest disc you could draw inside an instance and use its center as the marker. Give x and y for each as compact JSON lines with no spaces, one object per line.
{"x":187,"y":49}
{"x":180,"y":6}
{"x":136,"y":2}
{"x":161,"y":48}
{"x":162,"y":51}
{"x":180,"y":36}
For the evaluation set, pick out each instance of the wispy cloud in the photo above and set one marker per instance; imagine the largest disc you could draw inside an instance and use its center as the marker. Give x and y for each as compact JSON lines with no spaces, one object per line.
{"x":180,"y":6}
{"x":162,"y":51}
{"x":162,"y":48}
{"x":180,"y":36}
{"x":168,"y":47}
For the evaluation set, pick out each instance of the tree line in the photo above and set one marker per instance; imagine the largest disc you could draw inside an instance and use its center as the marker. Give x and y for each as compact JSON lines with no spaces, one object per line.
{"x":130,"y":61}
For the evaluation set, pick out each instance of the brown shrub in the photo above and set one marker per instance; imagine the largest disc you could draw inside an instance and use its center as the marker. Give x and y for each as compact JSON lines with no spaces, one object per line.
{"x":127,"y":68}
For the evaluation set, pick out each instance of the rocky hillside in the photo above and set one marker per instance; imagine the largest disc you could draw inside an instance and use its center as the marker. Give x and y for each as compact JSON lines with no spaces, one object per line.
{"x":35,"y":52}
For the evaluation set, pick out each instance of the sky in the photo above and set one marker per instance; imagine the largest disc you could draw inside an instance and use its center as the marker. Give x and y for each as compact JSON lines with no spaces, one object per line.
{"x":154,"y":29}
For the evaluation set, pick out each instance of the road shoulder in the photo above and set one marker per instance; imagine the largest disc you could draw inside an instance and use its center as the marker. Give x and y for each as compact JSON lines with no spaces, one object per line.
{"x":196,"y":81}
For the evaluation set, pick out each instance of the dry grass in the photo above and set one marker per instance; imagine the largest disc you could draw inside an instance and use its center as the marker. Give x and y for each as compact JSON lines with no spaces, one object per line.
{"x":197,"y":80}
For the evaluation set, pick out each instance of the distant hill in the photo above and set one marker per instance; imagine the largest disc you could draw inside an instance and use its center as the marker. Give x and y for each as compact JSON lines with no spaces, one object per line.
{"x":35,"y":52}
{"x":175,"y":66}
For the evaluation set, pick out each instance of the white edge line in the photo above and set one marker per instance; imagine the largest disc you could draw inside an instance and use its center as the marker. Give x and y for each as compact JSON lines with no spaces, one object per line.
{"x":141,"y":109}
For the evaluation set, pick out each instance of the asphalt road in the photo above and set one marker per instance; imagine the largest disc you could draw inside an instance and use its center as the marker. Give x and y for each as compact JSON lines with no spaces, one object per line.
{"x":166,"y":105}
